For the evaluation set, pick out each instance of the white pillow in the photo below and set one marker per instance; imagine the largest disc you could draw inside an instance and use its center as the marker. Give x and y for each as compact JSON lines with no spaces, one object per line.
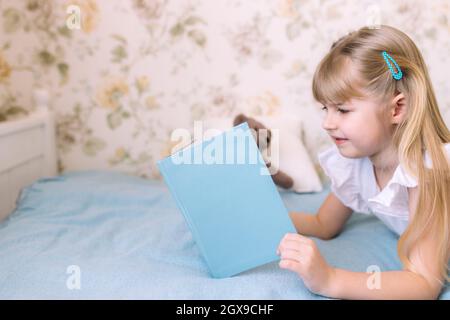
{"x":293,"y":156}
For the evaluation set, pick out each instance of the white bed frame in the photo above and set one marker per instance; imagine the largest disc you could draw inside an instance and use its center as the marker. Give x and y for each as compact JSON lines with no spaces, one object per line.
{"x":27,"y":152}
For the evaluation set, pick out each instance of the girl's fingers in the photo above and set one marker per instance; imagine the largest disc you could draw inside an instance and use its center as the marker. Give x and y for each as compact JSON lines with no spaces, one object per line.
{"x":287,"y":264}
{"x":296,"y":237}
{"x":293,"y":241}
{"x":291,"y":245}
{"x":292,"y":265}
{"x":291,"y":255}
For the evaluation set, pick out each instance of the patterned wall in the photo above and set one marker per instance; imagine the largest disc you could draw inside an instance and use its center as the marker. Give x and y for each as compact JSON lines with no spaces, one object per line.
{"x":138,"y":69}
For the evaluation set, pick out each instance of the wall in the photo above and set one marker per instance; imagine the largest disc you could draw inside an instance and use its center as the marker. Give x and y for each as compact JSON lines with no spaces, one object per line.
{"x":138,"y":69}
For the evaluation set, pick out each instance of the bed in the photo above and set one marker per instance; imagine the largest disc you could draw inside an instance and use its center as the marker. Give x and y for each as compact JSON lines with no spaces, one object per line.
{"x":109,"y":235}
{"x":27,"y":151}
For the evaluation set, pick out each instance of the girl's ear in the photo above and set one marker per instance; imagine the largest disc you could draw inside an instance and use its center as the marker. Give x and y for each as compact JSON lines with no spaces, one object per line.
{"x":399,"y":108}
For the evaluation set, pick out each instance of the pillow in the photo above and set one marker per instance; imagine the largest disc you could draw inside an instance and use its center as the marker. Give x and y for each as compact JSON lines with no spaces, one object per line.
{"x":293,"y":156}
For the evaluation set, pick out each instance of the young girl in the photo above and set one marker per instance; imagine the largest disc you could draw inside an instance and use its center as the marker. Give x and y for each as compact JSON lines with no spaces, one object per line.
{"x":390,"y":158}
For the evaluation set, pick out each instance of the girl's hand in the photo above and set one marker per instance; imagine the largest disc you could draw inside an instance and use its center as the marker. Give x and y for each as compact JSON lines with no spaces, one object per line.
{"x":301,"y":255}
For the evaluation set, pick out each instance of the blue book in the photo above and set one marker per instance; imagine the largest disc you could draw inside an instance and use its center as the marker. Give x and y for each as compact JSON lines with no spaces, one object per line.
{"x":227,"y":196}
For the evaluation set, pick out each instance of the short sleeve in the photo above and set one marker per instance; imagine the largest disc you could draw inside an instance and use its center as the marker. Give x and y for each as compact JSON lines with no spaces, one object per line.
{"x":341,"y":172}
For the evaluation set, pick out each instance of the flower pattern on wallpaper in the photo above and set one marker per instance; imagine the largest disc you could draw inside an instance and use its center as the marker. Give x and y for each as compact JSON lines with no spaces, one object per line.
{"x":5,"y":69}
{"x":138,"y":69}
{"x":250,"y":41}
{"x":36,"y":21}
{"x":8,"y":106}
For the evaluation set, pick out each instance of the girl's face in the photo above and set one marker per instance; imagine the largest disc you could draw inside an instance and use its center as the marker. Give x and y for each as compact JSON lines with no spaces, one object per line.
{"x":358,"y":127}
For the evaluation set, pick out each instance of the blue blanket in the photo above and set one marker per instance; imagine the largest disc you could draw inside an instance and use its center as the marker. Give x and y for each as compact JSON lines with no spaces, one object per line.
{"x":105,"y":235}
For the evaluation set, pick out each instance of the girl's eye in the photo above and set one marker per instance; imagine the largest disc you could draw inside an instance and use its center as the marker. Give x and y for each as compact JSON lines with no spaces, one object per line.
{"x":338,"y":109}
{"x":343,"y":111}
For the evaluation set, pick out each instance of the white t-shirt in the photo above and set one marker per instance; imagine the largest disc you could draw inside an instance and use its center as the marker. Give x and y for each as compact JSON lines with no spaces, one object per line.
{"x":353,"y":182}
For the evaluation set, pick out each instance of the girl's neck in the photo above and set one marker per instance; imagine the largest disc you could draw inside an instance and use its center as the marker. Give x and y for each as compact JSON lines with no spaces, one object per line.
{"x":385,"y":161}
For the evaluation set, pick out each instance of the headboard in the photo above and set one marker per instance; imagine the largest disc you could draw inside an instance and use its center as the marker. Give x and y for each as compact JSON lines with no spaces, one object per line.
{"x":27,"y":152}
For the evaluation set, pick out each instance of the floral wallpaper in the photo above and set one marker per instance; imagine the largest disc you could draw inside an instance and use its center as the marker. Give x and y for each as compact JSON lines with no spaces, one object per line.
{"x":135,"y":70}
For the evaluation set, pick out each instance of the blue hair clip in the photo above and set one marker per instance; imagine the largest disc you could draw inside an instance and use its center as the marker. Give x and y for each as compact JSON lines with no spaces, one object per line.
{"x":397,"y":75}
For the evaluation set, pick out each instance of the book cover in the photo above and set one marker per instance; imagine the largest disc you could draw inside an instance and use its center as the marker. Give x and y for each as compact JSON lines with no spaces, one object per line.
{"x":229,"y":201}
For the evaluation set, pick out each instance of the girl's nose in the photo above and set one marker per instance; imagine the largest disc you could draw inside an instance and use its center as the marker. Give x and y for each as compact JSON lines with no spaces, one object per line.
{"x":329,"y":121}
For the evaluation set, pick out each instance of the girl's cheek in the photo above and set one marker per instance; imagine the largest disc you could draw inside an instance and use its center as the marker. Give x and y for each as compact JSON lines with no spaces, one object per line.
{"x":355,"y":121}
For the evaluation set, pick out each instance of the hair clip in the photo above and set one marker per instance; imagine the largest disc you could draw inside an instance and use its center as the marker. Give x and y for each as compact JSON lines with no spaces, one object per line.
{"x":397,"y":75}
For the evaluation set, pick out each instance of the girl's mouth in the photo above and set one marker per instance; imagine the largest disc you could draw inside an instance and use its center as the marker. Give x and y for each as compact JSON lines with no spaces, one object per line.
{"x":339,"y":140}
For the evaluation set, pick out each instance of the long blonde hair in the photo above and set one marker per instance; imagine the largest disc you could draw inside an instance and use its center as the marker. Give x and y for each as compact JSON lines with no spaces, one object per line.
{"x":423,"y":128}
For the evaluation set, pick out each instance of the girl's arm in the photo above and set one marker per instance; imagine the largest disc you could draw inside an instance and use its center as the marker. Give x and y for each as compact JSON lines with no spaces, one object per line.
{"x":301,"y":255}
{"x":424,"y":284}
{"x":328,"y":221}
{"x":393,"y":285}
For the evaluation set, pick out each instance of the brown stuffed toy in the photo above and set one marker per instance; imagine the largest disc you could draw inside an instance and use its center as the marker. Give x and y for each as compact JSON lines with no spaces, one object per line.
{"x":280,"y":178}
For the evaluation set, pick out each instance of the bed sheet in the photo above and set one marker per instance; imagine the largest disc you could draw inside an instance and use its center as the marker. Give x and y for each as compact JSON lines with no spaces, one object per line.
{"x":108,"y":235}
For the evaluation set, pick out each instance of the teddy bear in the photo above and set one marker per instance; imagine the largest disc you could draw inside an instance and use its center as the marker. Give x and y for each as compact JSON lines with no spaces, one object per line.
{"x":280,"y":178}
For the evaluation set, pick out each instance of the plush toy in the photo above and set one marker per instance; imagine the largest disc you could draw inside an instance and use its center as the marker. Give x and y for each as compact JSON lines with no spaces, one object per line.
{"x":280,"y":178}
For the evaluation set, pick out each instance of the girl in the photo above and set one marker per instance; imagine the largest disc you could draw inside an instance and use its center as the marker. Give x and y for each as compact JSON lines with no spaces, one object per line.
{"x":390,"y":158}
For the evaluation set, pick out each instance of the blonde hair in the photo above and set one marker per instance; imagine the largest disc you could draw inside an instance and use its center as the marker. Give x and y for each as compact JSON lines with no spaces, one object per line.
{"x":422,"y":129}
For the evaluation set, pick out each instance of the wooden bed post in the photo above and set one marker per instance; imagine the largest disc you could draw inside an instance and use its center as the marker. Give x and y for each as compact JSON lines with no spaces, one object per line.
{"x":27,"y":151}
